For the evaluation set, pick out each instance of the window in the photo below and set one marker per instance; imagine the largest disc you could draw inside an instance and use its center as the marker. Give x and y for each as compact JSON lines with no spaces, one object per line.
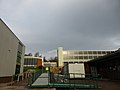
{"x":89,"y":52}
{"x":99,"y":52}
{"x":103,"y":52}
{"x":65,"y":57}
{"x":20,"y":47}
{"x":108,"y":52}
{"x":90,"y":57}
{"x":76,"y":52}
{"x":80,"y":52}
{"x":85,"y":57}
{"x":70,"y":57}
{"x":70,"y":52}
{"x":35,"y":62}
{"x":30,"y":62}
{"x":76,"y":57}
{"x":19,"y":57}
{"x":80,"y":57}
{"x":25,"y":62}
{"x":85,"y":52}
{"x":94,"y":52}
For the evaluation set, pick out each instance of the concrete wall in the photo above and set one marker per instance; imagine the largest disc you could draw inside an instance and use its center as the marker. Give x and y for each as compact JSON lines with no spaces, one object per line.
{"x":8,"y":51}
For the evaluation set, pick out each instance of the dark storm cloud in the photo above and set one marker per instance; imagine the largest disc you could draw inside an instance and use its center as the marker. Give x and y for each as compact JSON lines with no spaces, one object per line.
{"x":44,"y":25}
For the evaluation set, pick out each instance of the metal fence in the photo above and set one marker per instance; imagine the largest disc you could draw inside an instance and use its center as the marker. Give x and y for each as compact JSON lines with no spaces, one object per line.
{"x":70,"y":80}
{"x":74,"y":80}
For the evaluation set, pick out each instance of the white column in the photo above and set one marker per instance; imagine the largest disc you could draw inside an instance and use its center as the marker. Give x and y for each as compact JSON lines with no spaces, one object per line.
{"x":60,"y":56}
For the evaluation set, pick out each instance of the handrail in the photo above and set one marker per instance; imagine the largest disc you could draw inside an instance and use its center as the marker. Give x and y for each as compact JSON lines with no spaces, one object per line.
{"x":78,"y":80}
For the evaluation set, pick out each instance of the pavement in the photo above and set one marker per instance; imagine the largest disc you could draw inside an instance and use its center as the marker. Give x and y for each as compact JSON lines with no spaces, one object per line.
{"x":41,"y":80}
{"x":22,"y":85}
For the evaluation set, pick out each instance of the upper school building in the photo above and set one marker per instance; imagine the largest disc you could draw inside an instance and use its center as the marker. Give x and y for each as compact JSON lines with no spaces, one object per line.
{"x":73,"y":60}
{"x":79,"y":56}
{"x":11,"y":54}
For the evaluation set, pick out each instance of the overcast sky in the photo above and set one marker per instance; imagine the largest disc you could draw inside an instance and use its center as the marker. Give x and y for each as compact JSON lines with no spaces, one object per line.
{"x":45,"y":25}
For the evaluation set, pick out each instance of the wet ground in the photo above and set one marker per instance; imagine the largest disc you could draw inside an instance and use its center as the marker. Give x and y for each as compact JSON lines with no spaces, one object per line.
{"x":103,"y":84}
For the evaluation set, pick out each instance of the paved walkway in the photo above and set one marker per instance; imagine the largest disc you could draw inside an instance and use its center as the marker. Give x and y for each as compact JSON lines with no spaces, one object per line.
{"x":22,"y":85}
{"x":41,"y":80}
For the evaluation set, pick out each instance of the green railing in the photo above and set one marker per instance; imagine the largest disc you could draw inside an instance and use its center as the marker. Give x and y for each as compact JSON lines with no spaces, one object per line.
{"x":71,"y":80}
{"x":35,"y":75}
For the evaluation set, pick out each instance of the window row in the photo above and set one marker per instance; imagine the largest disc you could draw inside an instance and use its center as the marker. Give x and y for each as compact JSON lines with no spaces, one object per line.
{"x":87,"y":52}
{"x":80,"y":57}
{"x":30,"y":62}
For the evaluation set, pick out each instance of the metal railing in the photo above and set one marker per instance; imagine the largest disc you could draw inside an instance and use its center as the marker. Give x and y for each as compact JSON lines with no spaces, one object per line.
{"x":33,"y":77}
{"x":74,"y":80}
{"x":70,"y":80}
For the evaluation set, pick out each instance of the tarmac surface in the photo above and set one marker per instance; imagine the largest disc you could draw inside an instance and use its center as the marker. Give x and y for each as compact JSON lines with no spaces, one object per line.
{"x":22,"y":85}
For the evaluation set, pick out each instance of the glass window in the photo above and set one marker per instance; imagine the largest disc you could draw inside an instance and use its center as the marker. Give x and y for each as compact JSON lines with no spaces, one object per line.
{"x":70,"y":57}
{"x":89,"y":52}
{"x":35,"y":62}
{"x":94,"y":52}
{"x":25,"y":62}
{"x":76,"y":57}
{"x":20,"y":47}
{"x":103,"y":52}
{"x":108,"y":52}
{"x":85,"y":57}
{"x":80,"y":52}
{"x":76,"y":52}
{"x":75,"y":62}
{"x":64,"y":57}
{"x":99,"y":52}
{"x":85,"y":52}
{"x":31,"y":62}
{"x":80,"y":57}
{"x":90,"y":57}
{"x":70,"y":52}
{"x":67,"y":57}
